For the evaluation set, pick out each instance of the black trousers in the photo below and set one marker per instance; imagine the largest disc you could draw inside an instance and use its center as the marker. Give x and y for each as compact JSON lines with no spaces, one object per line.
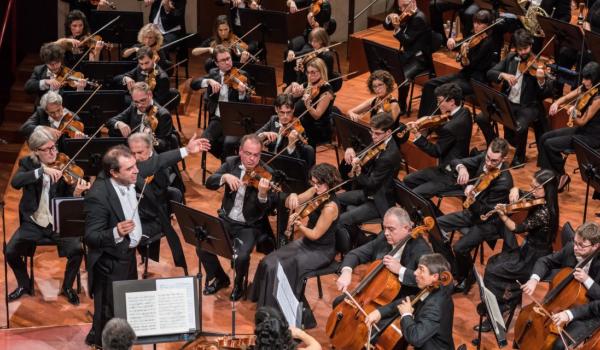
{"x":247,"y":234}
{"x":436,"y":12}
{"x":214,"y":133}
{"x":23,"y":243}
{"x":430,"y":182}
{"x":356,"y":210}
{"x":553,"y":143}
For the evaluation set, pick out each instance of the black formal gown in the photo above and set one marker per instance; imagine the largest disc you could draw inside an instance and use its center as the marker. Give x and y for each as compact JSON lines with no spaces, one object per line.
{"x":318,"y":131}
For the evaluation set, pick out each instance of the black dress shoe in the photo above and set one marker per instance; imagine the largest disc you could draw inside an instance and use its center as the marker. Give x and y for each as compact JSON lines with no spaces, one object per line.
{"x":517,"y":162}
{"x":215,"y":286}
{"x":239,"y":288}
{"x":564,"y":182}
{"x":17,"y":293}
{"x":464,"y":286}
{"x":72,"y":297}
{"x":90,"y":339}
{"x":486,"y":326}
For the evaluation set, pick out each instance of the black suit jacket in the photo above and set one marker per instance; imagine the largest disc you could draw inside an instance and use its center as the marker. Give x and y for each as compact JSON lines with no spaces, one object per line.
{"x":496,"y":192}
{"x":531,"y":91}
{"x":273,"y":126}
{"x":431,"y":326}
{"x":589,"y":310}
{"x":253,"y":210}
{"x":212,"y":100}
{"x":481,"y":58}
{"x":161,"y":91}
{"x":453,"y":140}
{"x":172,"y":19}
{"x":566,"y":258}
{"x":414,"y":35}
{"x":32,"y":85}
{"x":40,"y":117}
{"x":130,"y":116}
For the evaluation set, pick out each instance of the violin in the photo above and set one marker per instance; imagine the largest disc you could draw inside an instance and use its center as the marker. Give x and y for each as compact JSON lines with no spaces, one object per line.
{"x":524,"y":204}
{"x":304,"y":211}
{"x":313,"y":90}
{"x":71,"y":173}
{"x":366,"y":156}
{"x":151,"y":78}
{"x":581,"y":103}
{"x":346,"y":327}
{"x":253,"y":177}
{"x":483,"y":181}
{"x":297,"y":126}
{"x":235,"y":79}
{"x":150,"y":118}
{"x":91,"y":41}
{"x":70,"y":127}
{"x":427,"y":122}
{"x":315,"y":7}
{"x":70,"y":77}
{"x":405,"y":15}
{"x":463,"y":56}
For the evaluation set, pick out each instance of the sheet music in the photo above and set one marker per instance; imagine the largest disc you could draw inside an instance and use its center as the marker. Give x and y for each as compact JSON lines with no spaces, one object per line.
{"x":496,"y":318}
{"x":286,"y":298}
{"x":157,"y":312}
{"x":187,"y":284}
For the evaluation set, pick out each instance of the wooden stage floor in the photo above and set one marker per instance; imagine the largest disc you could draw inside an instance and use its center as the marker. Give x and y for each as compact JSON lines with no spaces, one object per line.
{"x":47,"y":321}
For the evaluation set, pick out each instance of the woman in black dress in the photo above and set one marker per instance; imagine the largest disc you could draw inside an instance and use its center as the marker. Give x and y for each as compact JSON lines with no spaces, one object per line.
{"x":76,"y":30}
{"x":314,"y":250}
{"x":381,"y":84}
{"x":512,"y":264}
{"x":317,"y":121}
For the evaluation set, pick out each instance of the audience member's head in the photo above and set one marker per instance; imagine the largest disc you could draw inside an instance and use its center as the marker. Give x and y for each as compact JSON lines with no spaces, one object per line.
{"x":117,"y":335}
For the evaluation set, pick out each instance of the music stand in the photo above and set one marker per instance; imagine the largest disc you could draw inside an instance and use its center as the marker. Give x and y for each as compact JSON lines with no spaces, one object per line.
{"x":263,"y":78}
{"x":277,"y":27}
{"x":588,"y":160}
{"x":104,"y":72}
{"x":124,"y":31}
{"x":90,"y":159}
{"x":241,"y":118}
{"x":104,"y":105}
{"x":68,"y":216}
{"x":566,"y":34}
{"x":274,"y":5}
{"x":384,"y":57}
{"x":417,"y":207}
{"x":294,"y":170}
{"x":592,"y":41}
{"x":492,"y":310}
{"x":351,"y":133}
{"x":494,"y":104}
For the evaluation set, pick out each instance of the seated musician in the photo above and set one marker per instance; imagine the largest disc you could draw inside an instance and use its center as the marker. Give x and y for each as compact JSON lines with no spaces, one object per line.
{"x":285,"y":120}
{"x":149,"y":72}
{"x":45,"y":76}
{"x":243,"y":210}
{"x":293,"y":69}
{"x":582,"y":313}
{"x":150,"y":36}
{"x":585,"y":245}
{"x":466,"y":11}
{"x":77,"y":29}
{"x":373,"y":186}
{"x":145,"y":115}
{"x":381,"y":84}
{"x":316,"y":248}
{"x":219,"y":89}
{"x":585,"y":119}
{"x":429,"y":325}
{"x":41,"y":183}
{"x":169,"y":17}
{"x":316,"y":97}
{"x":50,"y":113}
{"x":234,"y":5}
{"x":516,"y":262}
{"x":414,"y":35}
{"x":480,"y":58}
{"x":397,"y":228}
{"x":452,"y":143}
{"x":487,"y":169}
{"x":525,"y":93}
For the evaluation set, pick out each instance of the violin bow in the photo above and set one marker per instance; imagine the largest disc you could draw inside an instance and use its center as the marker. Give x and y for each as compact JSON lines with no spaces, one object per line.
{"x":239,"y":39}
{"x":473,"y":36}
{"x":147,"y":180}
{"x":574,"y":99}
{"x":318,"y":51}
{"x":101,"y":29}
{"x":535,"y":189}
{"x":80,"y":108}
{"x":81,"y":149}
{"x":175,"y":41}
{"x":536,"y":57}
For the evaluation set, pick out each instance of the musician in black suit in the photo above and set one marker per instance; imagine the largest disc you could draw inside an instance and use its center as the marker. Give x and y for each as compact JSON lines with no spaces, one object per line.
{"x":525,"y":93}
{"x":169,"y":17}
{"x":480,"y":58}
{"x":219,"y":90}
{"x":477,"y":167}
{"x":427,"y":326}
{"x":114,"y":227}
{"x":151,"y":73}
{"x":292,"y":143}
{"x":40,"y":184}
{"x":373,"y":183}
{"x":414,"y":35}
{"x":452,"y":143}
{"x":138,"y":117}
{"x":44,"y":76}
{"x":579,"y":255}
{"x":243,"y":209}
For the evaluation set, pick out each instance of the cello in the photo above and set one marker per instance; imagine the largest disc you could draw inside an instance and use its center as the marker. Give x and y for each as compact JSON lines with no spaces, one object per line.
{"x":345,"y":326}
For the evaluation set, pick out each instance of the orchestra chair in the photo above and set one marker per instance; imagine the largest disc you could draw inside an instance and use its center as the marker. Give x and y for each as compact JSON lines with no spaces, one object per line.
{"x":428,"y":71}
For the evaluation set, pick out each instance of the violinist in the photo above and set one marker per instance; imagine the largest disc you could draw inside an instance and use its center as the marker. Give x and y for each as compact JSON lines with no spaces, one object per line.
{"x":148,"y":71}
{"x":584,"y":113}
{"x":145,"y":115}
{"x":428,"y":326}
{"x":41,"y":182}
{"x":381,"y":84}
{"x":316,"y":248}
{"x":150,"y":36}
{"x":169,"y":17}
{"x":50,"y":113}
{"x":293,"y":69}
{"x":220,"y":88}
{"x":315,"y":96}
{"x":46,"y":76}
{"x":397,"y":228}
{"x":481,"y":56}
{"x":272,"y":135}
{"x":585,"y":243}
{"x":491,"y":187}
{"x":76,"y":30}
{"x":454,"y":137}
{"x":525,"y":90}
{"x":412,"y":30}
{"x":539,"y":228}
{"x":372,"y":191}
{"x":243,"y":211}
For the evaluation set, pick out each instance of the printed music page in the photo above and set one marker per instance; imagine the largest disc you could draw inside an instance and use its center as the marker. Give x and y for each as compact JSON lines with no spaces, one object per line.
{"x":157,"y":312}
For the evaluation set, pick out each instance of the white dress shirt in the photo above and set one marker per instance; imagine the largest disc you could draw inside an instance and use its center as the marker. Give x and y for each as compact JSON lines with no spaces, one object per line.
{"x":128,"y":199}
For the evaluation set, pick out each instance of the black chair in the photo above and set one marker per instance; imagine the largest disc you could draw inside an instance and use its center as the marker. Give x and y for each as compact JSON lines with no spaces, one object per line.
{"x":428,"y":71}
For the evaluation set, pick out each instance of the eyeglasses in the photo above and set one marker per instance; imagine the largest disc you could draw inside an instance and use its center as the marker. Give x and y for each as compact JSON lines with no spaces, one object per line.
{"x":581,"y":245}
{"x":493,"y":161}
{"x":48,"y":149}
{"x":223,"y":60}
{"x":312,"y":72}
{"x":376,"y":133}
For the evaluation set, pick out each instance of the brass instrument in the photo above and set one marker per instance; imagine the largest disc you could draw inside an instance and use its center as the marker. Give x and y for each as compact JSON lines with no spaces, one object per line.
{"x":530,"y":21}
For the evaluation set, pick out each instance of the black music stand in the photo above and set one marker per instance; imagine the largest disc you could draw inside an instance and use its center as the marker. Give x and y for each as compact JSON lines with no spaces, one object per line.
{"x":241,"y":118}
{"x":492,"y":310}
{"x":124,"y":31}
{"x":592,"y":41}
{"x":104,"y":105}
{"x":90,"y":159}
{"x":588,"y":160}
{"x":277,"y":27}
{"x":274,"y":5}
{"x":494,"y":104}
{"x":351,"y":134}
{"x":384,"y":57}
{"x":263,"y":78}
{"x":104,"y":72}
{"x":566,"y":34}
{"x":206,"y":232}
{"x":68,"y":216}
{"x":417,"y":207}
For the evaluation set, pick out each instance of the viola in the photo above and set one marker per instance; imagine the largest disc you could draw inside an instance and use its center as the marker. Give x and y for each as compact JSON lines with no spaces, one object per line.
{"x":235,"y":79}
{"x":346,"y":327}
{"x":253,"y":177}
{"x":581,"y":103}
{"x":70,"y":127}
{"x":427,"y":122}
{"x":297,"y":126}
{"x":481,"y":184}
{"x":70,"y":78}
{"x":524,"y":204}
{"x":71,"y":173}
{"x":304,"y":211}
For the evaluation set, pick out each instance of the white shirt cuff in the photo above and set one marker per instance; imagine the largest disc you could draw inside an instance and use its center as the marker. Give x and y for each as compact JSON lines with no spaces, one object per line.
{"x":589,"y":282}
{"x":458,"y":167}
{"x":118,"y":239}
{"x":291,"y":148}
{"x":570,"y":314}
{"x":535,"y":277}
{"x":184,"y":152}
{"x":401,"y":273}
{"x":221,"y":181}
{"x":204,"y":83}
{"x":346,"y":268}
{"x":117,"y":124}
{"x":262,"y":199}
